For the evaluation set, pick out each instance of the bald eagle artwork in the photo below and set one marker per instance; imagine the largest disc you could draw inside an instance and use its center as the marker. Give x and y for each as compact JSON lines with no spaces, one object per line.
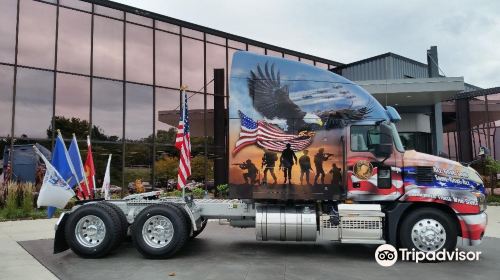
{"x":273,"y":100}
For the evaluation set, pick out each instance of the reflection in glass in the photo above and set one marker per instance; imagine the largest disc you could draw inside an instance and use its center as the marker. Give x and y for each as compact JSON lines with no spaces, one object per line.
{"x":291,"y":57}
{"x":73,"y":44}
{"x":138,"y":166}
{"x":166,"y":164}
{"x":77,"y":4}
{"x":167,"y":27}
{"x":105,"y":11}
{"x":139,"y":19}
{"x":322,"y":65}
{"x":108,"y":48}
{"x":192,"y":63}
{"x":34,"y":94}
{"x":237,"y":45}
{"x":216,"y":58}
{"x":192,"y":33}
{"x":167,"y":115}
{"x":100,"y":153}
{"x":6,"y":81}
{"x":139,"y":113}
{"x":72,"y":104}
{"x":216,"y":39}
{"x":167,"y":59}
{"x":139,"y":54}
{"x":107,"y":110}
{"x":37,"y":30}
{"x":307,"y":61}
{"x":274,"y":53}
{"x":256,"y":49}
{"x":8,"y":14}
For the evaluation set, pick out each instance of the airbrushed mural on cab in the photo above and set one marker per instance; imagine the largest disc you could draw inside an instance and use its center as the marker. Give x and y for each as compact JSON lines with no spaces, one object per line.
{"x":275,"y":103}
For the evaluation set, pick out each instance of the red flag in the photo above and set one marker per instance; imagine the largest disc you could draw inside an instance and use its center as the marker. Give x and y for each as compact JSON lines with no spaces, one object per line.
{"x":183,"y":144}
{"x":89,"y":168}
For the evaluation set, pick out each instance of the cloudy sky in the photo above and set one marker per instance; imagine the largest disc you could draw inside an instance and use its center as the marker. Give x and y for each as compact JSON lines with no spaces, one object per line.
{"x":467,"y":33}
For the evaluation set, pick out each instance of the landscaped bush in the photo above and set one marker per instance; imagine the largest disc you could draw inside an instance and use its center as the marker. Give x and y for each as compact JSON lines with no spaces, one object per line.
{"x":223,"y":190}
{"x":27,"y":198}
{"x":198,"y":193}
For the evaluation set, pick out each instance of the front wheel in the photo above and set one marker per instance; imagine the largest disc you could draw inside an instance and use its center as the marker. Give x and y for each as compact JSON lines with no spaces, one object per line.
{"x":427,"y":230}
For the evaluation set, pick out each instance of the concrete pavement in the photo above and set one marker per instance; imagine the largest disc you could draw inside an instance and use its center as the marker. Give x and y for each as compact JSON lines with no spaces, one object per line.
{"x":16,"y":263}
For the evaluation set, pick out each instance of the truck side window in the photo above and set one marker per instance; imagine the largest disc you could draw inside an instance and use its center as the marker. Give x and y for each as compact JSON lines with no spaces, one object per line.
{"x":359,"y":137}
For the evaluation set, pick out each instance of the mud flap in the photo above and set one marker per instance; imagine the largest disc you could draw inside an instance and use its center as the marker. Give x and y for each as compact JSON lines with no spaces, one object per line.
{"x":60,"y":244}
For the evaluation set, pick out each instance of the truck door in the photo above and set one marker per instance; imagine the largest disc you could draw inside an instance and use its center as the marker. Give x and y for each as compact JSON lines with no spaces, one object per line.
{"x":371,"y":163}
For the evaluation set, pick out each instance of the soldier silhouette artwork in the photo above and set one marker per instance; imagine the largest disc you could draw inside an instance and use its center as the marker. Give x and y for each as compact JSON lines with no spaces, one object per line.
{"x":268,"y":163}
{"x":337,"y":177}
{"x":250,"y":176}
{"x":305,"y":167}
{"x":287,"y":160}
{"x":319,"y":158}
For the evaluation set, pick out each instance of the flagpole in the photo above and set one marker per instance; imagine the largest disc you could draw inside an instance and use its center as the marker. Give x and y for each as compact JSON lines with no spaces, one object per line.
{"x":81,"y":165}
{"x":93,"y":175}
{"x":183,"y":89}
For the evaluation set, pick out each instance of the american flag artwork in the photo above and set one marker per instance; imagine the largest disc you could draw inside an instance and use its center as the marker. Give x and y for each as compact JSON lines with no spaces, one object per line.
{"x":183,"y":144}
{"x":268,"y":136}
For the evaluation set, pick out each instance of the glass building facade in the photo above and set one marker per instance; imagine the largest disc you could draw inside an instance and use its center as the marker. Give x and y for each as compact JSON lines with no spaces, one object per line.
{"x":113,"y":72}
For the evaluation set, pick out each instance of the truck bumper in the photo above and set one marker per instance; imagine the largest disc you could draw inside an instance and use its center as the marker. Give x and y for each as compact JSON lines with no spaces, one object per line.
{"x":472,"y":228}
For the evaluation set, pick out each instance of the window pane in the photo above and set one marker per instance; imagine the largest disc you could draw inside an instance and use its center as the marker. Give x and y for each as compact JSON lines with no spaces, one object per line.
{"x":359,"y":137}
{"x":8,"y":14}
{"x":77,"y":4}
{"x":306,"y":61}
{"x":274,"y":53}
{"x":167,"y":27}
{"x":74,"y":41}
{"x":6,"y":81}
{"x":138,"y":163}
{"x":100,"y":153}
{"x":33,"y":103}
{"x":107,"y":110}
{"x":167,"y":59}
{"x":192,"y":33}
{"x":216,"y":58}
{"x":291,"y":57}
{"x":72,"y":104}
{"x":255,"y":49}
{"x":108,"y":48}
{"x":196,"y":105}
{"x":322,"y":65}
{"x":139,"y":19}
{"x":237,"y":45}
{"x":166,"y":164}
{"x":139,"y":54}
{"x":139,"y":112}
{"x":216,"y":39}
{"x":192,"y":63}
{"x":37,"y":30}
{"x":108,"y":12}
{"x":167,"y":115}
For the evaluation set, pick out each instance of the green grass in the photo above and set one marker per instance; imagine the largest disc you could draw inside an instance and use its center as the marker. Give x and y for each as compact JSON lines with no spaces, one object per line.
{"x":20,"y":214}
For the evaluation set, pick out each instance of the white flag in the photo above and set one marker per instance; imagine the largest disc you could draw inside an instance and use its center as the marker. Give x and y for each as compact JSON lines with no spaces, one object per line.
{"x":55,"y":191}
{"x":106,"y":182}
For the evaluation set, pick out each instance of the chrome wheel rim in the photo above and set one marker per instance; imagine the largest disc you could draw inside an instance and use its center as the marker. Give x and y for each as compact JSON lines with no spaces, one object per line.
{"x":90,"y":231}
{"x":158,"y":231}
{"x":428,"y":235}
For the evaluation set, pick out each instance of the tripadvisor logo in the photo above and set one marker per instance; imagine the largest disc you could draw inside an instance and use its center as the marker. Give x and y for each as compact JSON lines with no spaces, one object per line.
{"x":386,"y":255}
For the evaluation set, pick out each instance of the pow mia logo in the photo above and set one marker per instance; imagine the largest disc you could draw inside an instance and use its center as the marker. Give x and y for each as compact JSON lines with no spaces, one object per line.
{"x":386,"y":255}
{"x":363,"y":169}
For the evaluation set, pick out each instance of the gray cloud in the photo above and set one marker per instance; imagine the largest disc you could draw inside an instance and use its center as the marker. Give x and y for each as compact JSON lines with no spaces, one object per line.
{"x":466,"y":32}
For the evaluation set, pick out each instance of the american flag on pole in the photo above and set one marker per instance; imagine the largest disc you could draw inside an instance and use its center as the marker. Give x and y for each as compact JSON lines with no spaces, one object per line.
{"x":183,"y":144}
{"x":268,"y":136}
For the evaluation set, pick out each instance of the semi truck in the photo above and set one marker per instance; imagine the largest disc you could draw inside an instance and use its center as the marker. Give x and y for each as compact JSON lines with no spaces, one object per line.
{"x":310,"y":156}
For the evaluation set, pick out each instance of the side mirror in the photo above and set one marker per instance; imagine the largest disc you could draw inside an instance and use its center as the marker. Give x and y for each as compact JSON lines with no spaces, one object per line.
{"x":384,"y":148}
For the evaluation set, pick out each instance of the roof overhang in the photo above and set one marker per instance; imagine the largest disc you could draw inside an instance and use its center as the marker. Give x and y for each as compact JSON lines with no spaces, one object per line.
{"x":414,"y":92}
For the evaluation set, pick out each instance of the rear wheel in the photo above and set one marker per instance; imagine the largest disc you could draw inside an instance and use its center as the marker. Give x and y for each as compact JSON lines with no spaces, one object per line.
{"x":428,"y":230}
{"x":121,"y":216}
{"x":159,"y":231}
{"x":92,"y":230}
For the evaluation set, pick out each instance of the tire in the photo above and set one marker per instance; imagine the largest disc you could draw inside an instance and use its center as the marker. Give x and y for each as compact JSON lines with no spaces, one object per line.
{"x":428,"y":229}
{"x":84,"y":230}
{"x":197,"y":232}
{"x":171,"y":236}
{"x":121,"y":216}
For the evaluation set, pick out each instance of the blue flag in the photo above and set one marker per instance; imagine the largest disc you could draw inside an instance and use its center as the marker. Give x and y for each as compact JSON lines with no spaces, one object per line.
{"x":61,"y":162}
{"x":76,"y":160}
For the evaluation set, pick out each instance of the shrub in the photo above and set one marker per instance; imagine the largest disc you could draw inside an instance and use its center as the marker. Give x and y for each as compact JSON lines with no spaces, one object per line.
{"x":198,"y":192}
{"x":223,"y":190}
{"x":27,"y":201}
{"x":11,"y":203}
